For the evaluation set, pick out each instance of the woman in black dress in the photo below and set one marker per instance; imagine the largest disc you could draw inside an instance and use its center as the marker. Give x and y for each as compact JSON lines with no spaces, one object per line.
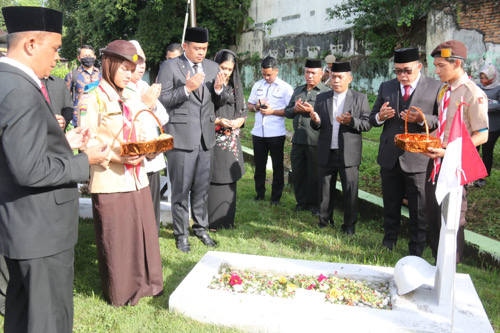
{"x":227,"y":157}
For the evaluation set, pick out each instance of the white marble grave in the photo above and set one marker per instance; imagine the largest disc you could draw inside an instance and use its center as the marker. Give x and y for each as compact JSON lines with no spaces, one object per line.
{"x":416,"y":311}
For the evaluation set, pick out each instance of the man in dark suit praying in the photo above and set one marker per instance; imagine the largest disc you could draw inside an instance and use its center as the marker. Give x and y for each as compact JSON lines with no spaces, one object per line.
{"x":340,"y":116}
{"x":190,"y":83}
{"x":38,"y":177}
{"x":403,"y":171}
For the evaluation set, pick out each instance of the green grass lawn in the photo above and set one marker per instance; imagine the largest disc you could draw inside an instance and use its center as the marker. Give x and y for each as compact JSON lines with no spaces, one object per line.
{"x":261,"y":229}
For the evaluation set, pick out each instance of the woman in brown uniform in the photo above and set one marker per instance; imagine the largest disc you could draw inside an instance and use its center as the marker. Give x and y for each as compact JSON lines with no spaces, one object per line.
{"x":124,"y":221}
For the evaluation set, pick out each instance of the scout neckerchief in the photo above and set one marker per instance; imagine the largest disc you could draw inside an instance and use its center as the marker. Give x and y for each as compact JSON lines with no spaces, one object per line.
{"x":128,"y":130}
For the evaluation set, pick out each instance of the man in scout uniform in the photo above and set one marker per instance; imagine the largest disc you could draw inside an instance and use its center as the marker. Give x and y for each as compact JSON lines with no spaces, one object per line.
{"x":340,"y":116}
{"x":449,"y":59}
{"x":305,"y":140}
{"x":401,"y":171}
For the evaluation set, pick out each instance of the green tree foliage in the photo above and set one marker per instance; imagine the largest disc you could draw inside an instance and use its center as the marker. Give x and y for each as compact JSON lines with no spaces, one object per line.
{"x":154,"y":23}
{"x":386,"y":24}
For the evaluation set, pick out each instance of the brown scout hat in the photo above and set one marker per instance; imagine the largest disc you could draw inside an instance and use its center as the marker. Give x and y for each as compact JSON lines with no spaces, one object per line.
{"x":124,"y":50}
{"x":450,"y":49}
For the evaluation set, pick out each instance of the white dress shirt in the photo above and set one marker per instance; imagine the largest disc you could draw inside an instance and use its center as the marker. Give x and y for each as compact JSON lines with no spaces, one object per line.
{"x":338,"y":108}
{"x":278,"y":95}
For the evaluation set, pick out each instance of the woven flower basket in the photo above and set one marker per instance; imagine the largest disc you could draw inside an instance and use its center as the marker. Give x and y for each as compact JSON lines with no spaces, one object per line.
{"x":163,"y":143}
{"x":413,"y":142}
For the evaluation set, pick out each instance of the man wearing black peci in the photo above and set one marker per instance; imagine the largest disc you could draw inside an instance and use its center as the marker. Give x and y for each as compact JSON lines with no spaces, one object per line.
{"x":340,"y":116}
{"x":190,"y":83}
{"x":38,"y":177}
{"x":304,"y":155}
{"x":404,"y":172}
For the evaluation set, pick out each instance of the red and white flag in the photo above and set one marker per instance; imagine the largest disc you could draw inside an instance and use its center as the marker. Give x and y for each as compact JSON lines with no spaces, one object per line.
{"x":461,"y":163}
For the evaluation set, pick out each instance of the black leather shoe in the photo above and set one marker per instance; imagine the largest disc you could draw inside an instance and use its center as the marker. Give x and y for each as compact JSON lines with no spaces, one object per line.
{"x":315,"y":211}
{"x":349,"y":231}
{"x":183,"y":244}
{"x":322,"y":225}
{"x":388,"y":245}
{"x":259,"y":198}
{"x":299,"y":208}
{"x":275,"y":202}
{"x":207,"y":240}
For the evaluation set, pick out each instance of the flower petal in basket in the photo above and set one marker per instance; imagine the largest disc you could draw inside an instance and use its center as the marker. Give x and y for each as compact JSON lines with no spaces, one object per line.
{"x":163,"y":143}
{"x":416,"y":142}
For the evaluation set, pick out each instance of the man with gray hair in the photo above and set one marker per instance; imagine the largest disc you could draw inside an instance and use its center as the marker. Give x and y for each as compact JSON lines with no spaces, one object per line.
{"x":401,"y":171}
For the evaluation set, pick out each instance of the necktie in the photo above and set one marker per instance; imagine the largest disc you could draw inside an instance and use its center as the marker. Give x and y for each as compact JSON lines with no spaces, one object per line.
{"x":45,"y":93}
{"x":407,"y":93}
{"x":200,"y":88}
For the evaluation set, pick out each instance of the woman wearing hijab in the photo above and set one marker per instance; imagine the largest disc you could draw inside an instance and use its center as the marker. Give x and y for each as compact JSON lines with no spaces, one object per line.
{"x":491,"y":86}
{"x":227,"y":159}
{"x":124,"y":220}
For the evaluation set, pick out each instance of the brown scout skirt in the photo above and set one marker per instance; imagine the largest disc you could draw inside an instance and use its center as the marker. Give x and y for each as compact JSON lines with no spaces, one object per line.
{"x":127,"y":246}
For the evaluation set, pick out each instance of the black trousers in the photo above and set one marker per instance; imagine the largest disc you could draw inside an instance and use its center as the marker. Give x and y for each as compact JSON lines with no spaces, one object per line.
{"x":40,"y":294}
{"x":327,"y":183}
{"x":262,"y":147}
{"x":434,"y":217}
{"x":154,"y":186}
{"x":488,"y":148}
{"x":190,"y":178}
{"x":395,"y":183}
{"x":304,"y":160}
{"x":4,"y":281}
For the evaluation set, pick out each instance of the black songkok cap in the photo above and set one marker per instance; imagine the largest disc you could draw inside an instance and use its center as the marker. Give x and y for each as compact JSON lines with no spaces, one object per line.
{"x":339,"y":67}
{"x":196,"y":35}
{"x":22,"y":18}
{"x":402,"y":56}
{"x":450,"y":49}
{"x":313,"y":63}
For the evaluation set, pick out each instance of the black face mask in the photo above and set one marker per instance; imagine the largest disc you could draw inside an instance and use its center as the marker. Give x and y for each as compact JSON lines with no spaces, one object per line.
{"x":87,"y":61}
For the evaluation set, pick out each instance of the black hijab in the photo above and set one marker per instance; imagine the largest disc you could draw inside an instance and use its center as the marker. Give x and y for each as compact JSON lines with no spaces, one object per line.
{"x":234,"y":79}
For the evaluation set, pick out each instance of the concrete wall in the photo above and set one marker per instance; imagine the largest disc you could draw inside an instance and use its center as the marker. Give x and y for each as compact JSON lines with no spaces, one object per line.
{"x":302,"y":30}
{"x":442,"y":26}
{"x":294,"y":17}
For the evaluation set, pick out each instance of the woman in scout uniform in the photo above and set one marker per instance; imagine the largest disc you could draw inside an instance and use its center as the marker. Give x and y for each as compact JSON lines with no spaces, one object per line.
{"x":124,"y":221}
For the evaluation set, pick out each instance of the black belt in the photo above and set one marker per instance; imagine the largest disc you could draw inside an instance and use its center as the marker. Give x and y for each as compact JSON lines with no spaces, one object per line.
{"x":335,"y":151}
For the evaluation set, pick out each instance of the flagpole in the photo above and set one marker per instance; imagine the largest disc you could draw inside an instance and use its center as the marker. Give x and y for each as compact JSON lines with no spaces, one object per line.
{"x":185,"y":21}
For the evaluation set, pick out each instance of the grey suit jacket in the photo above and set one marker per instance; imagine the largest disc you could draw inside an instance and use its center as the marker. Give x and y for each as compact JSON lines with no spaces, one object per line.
{"x":38,"y":173}
{"x":192,"y":117}
{"x":350,"y":139}
{"x":424,"y":97}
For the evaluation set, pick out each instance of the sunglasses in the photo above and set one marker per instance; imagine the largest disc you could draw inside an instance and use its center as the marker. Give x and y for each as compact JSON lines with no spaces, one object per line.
{"x":406,"y":71}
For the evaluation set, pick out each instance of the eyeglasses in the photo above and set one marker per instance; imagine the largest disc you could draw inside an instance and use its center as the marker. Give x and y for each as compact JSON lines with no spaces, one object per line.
{"x":406,"y":71}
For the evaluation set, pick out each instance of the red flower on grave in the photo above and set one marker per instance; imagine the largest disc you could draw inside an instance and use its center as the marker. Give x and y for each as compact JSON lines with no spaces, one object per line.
{"x":322,"y":278}
{"x":235,"y":279}
{"x":312,"y":286}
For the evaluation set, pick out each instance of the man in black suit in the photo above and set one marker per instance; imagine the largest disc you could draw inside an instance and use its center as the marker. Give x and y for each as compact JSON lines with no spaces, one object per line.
{"x":60,"y":99}
{"x":189,"y":85}
{"x":38,"y":177}
{"x":340,"y":116}
{"x":404,"y":172}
